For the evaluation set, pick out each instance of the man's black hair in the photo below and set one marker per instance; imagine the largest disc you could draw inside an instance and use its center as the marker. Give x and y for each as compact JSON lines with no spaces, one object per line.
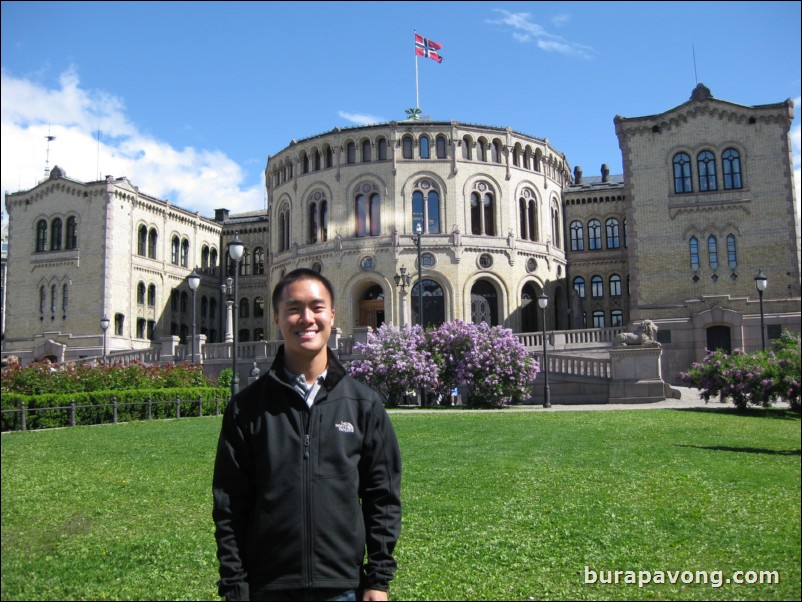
{"x":295,"y":276}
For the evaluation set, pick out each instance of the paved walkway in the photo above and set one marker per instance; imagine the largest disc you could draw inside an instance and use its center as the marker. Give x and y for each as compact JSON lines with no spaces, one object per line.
{"x":689,"y":398}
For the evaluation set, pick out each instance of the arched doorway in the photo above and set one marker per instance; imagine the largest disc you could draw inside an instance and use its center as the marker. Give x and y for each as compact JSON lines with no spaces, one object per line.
{"x":484,"y":303}
{"x":434,"y":307}
{"x":719,"y":337}
{"x":529,"y":308}
{"x":371,"y":307}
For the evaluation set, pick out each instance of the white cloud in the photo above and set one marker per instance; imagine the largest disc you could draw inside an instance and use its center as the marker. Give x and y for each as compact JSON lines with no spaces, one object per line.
{"x":360,"y":118}
{"x":525,"y":30}
{"x":194,"y":179}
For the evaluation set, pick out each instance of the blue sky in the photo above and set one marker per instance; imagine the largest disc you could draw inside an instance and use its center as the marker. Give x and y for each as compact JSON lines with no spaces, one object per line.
{"x":188,"y":99}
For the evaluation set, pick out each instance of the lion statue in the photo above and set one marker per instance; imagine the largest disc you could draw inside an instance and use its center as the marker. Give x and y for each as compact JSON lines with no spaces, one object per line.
{"x":644,"y":334}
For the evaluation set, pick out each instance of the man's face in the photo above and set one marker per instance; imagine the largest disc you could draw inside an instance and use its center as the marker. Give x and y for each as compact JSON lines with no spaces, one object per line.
{"x":305,"y":318}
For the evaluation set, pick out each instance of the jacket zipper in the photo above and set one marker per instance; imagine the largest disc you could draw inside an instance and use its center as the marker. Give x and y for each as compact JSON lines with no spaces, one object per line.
{"x":307,"y":476}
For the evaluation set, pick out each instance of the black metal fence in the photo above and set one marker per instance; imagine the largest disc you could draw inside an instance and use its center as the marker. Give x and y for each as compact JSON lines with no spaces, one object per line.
{"x":87,"y":414}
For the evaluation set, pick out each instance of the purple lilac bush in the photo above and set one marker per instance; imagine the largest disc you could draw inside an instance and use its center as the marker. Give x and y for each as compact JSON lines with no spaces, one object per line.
{"x":397,"y":361}
{"x":490,"y":361}
{"x":757,"y":378}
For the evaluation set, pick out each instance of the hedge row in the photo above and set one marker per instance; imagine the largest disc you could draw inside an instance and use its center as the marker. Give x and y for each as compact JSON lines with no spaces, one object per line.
{"x":51,"y":410}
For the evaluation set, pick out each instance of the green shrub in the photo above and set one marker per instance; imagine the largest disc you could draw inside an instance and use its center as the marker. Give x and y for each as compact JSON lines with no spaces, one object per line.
{"x":757,"y":378}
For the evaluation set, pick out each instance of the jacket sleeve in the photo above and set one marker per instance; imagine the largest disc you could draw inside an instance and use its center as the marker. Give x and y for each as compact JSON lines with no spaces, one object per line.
{"x":380,"y":490}
{"x":231,"y":487}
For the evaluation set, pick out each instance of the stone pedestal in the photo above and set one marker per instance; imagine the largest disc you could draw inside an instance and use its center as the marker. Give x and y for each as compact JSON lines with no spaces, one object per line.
{"x":636,"y":376}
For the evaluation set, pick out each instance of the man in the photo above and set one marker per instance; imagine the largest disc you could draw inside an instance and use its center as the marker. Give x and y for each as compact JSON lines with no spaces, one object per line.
{"x":307,"y":476}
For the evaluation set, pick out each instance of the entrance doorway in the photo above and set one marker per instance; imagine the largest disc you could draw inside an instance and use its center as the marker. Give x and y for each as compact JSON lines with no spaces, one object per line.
{"x":719,"y":337}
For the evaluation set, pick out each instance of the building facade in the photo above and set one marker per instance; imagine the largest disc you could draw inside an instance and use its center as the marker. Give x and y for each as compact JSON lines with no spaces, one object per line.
{"x":425,"y":221}
{"x":487,"y":202}
{"x":710,"y":201}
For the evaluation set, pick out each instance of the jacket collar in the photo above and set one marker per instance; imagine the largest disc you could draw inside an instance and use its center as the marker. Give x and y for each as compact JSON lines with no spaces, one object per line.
{"x":335,"y":373}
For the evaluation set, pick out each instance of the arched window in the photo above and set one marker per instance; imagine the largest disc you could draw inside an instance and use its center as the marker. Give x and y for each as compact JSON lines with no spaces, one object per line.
{"x":423,"y":147}
{"x":731,"y":167}
{"x":712,"y":251}
{"x":682,"y":173}
{"x":212,"y":308}
{"x":732,"y":252}
{"x":245,"y":264}
{"x":467,"y":146}
{"x":615,"y":285}
{"x":153,"y":238}
{"x":204,"y":307}
{"x":367,"y":208}
{"x":258,"y":261}
{"x":616,"y":318}
{"x":440,"y":143}
{"x":598,"y":319}
{"x":313,"y":225}
{"x":482,"y":147}
{"x":534,"y":227}
{"x":140,"y":293}
{"x":496,"y":152}
{"x":706,"y":166}
{"x":594,"y":235}
{"x":577,"y":236}
{"x":205,"y":257}
{"x":426,"y":207}
{"x":484,"y":303}
{"x":305,"y":163}
{"x":42,"y":300}
{"x":613,"y":234}
{"x":55,"y":234}
{"x":317,"y":160}
{"x":482,"y":210}
{"x":185,"y":253}
{"x":406,"y":147}
{"x":258,"y":307}
{"x":244,"y":308}
{"x":152,"y":295}
{"x":71,"y":241}
{"x":213,"y":259}
{"x":596,"y":287}
{"x":175,"y":250}
{"x":366,"y":151}
{"x":329,"y":158}
{"x":52,"y":298}
{"x":41,"y":235}
{"x":65,"y":299}
{"x":350,"y":153}
{"x":142,"y":241}
{"x":579,"y":286}
{"x":693,"y":247}
{"x":382,"y":149}
{"x":284,"y":229}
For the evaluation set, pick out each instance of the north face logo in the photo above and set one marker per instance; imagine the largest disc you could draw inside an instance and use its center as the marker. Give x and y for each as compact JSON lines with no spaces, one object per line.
{"x":345,"y":427}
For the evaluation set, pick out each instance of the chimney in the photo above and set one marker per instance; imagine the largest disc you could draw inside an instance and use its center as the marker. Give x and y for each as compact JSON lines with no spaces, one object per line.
{"x":221,"y":215}
{"x":577,"y":175}
{"x":605,"y":172}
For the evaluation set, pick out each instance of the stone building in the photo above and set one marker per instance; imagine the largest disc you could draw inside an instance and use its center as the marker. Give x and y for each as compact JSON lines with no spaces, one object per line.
{"x":79,"y":252}
{"x":705,"y":201}
{"x":710,"y":201}
{"x":488,"y":202}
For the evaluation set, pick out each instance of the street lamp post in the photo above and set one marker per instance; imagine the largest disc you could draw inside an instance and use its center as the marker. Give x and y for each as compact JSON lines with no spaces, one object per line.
{"x":417,"y":240}
{"x":761,"y":282}
{"x":236,"y":248}
{"x":194,"y":283}
{"x":543,"y":302}
{"x":104,"y":325}
{"x":403,"y":280}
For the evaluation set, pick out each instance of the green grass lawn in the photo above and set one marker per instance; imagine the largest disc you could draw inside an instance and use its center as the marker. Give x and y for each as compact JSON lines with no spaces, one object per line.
{"x":497,"y":506}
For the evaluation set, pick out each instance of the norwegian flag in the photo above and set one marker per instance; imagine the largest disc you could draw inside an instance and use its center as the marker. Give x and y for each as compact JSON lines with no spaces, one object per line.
{"x":427,"y":48}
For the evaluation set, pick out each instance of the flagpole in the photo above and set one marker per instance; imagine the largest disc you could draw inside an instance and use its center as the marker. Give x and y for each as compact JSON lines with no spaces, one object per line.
{"x":417,"y":100}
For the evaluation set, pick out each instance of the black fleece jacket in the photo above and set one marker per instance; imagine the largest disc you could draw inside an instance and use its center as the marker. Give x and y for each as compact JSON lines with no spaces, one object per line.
{"x":288,"y":482}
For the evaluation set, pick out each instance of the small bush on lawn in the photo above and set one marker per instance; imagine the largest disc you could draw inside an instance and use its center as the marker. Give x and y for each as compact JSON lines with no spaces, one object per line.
{"x":758,"y":378}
